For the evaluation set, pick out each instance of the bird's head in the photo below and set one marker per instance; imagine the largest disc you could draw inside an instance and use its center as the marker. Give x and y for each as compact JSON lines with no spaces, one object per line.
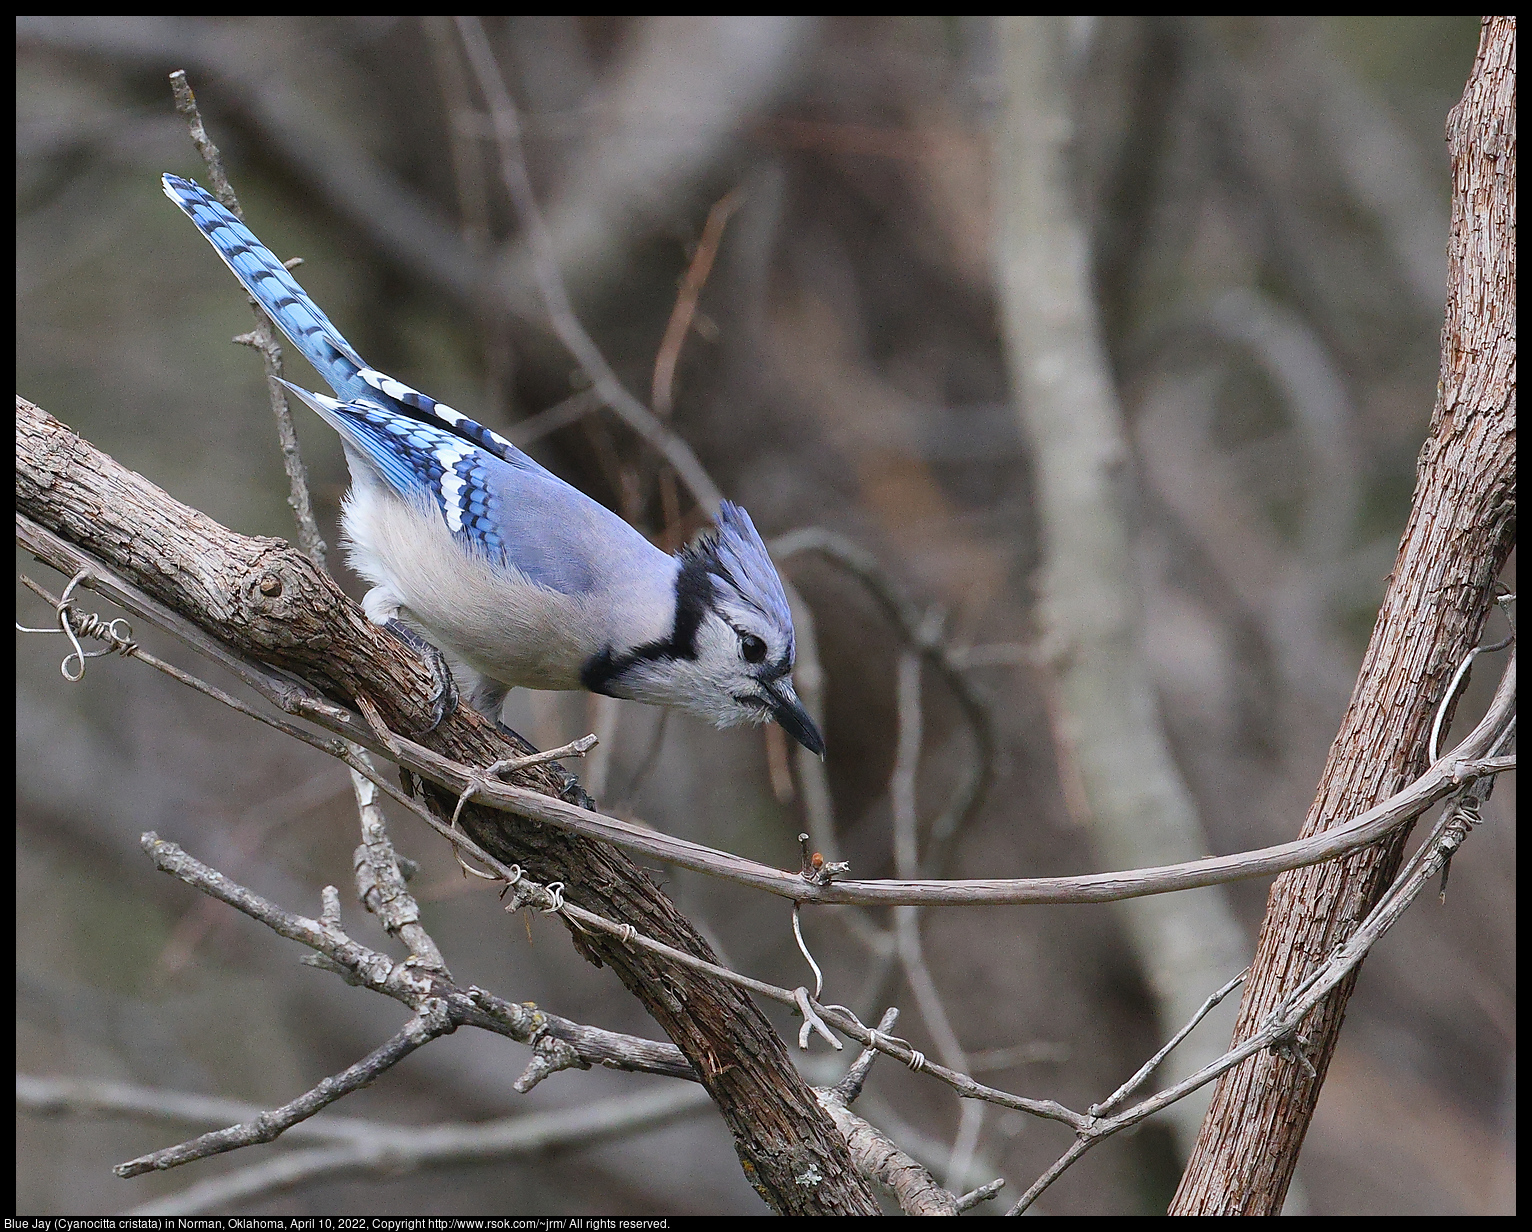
{"x":730,"y":654}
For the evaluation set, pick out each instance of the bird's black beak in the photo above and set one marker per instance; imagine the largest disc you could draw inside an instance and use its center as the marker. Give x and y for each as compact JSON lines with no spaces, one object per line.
{"x":795,"y":721}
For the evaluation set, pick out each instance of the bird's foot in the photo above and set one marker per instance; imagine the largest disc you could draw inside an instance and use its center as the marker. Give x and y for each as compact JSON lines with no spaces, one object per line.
{"x":445,"y":700}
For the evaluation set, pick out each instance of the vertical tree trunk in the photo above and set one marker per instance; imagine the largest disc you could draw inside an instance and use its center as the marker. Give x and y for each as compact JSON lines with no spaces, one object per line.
{"x":1461,"y":528}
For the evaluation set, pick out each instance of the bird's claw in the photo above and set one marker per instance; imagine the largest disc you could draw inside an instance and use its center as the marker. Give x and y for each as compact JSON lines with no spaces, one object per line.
{"x":444,"y":703}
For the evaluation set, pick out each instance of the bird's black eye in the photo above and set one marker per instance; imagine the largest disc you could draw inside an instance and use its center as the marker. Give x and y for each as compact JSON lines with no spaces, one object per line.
{"x":752,"y":647}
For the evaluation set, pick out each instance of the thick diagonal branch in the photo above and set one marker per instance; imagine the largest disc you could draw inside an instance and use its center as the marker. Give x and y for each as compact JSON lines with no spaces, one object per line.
{"x":267,"y":602}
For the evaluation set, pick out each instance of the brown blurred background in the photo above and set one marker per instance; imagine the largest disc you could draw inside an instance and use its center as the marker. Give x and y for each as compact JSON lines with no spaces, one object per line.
{"x":1266,"y":201}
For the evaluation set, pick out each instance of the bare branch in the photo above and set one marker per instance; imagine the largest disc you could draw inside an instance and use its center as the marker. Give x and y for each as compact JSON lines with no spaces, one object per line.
{"x":380,"y":881}
{"x":101,"y":1096}
{"x":430,"y":1022}
{"x":1478,"y":747}
{"x":513,"y":171}
{"x":1433,"y":785}
{"x":875,"y":1155}
{"x":983,"y":1193}
{"x":386,"y":1150}
{"x":914,"y":1188}
{"x":413,"y":984}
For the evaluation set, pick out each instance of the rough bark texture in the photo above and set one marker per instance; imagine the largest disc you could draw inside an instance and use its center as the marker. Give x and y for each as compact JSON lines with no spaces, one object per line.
{"x":1460,"y":531}
{"x":266,"y":600}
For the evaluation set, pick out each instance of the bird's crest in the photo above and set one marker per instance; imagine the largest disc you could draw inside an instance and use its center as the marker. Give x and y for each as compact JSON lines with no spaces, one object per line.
{"x":733,"y":552}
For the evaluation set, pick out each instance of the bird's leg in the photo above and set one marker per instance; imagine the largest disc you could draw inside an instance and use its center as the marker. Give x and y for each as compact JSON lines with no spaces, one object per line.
{"x":445,"y":700}
{"x":486,"y":696}
{"x":523,"y":745}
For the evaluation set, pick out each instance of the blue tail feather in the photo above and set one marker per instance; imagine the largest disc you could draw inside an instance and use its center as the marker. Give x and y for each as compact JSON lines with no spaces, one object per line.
{"x":269,"y":283}
{"x":313,"y":333}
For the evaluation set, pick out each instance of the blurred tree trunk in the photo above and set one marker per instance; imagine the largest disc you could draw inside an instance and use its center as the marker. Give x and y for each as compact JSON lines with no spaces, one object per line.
{"x":1116,"y":769}
{"x":1460,"y":532}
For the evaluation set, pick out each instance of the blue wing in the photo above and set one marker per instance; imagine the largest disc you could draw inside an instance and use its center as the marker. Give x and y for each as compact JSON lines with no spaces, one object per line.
{"x":494,"y":498}
{"x":531,"y":519}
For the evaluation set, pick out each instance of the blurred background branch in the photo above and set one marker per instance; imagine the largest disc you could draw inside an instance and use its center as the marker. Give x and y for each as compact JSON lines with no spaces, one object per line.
{"x":1108,"y":735}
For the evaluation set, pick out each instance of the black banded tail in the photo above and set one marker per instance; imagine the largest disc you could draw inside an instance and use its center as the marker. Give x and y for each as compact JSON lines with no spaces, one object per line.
{"x":269,"y":283}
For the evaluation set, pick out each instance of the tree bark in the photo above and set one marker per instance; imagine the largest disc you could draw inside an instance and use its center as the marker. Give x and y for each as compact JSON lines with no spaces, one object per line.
{"x":1460,"y":531}
{"x":264,"y":599}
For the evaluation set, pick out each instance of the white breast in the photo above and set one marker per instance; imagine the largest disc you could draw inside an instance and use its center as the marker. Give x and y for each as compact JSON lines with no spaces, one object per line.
{"x":489,"y":615}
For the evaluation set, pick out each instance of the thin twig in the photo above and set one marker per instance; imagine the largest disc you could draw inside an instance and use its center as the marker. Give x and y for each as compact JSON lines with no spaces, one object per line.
{"x":431,"y":1021}
{"x":902,"y":780}
{"x":965,"y":1085}
{"x":915,"y":1189}
{"x":1149,"y":1066}
{"x":662,"y":386}
{"x":851,"y":1082}
{"x":813,"y":774}
{"x":925,"y":635}
{"x":1038,"y":1052}
{"x":467,"y":160}
{"x":560,"y":415}
{"x":513,"y":172}
{"x":911,"y":952}
{"x":650,"y":759}
{"x":983,"y":1193}
{"x":48,"y":1096}
{"x":1437,"y":782}
{"x":388,"y":1150}
{"x":186,"y":105}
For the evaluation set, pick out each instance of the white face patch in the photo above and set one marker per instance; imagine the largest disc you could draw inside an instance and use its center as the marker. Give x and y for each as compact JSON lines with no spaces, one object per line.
{"x":717,"y":685}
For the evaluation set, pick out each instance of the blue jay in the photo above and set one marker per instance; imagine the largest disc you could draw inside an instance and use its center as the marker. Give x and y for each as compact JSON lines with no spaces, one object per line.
{"x":516,"y":577}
